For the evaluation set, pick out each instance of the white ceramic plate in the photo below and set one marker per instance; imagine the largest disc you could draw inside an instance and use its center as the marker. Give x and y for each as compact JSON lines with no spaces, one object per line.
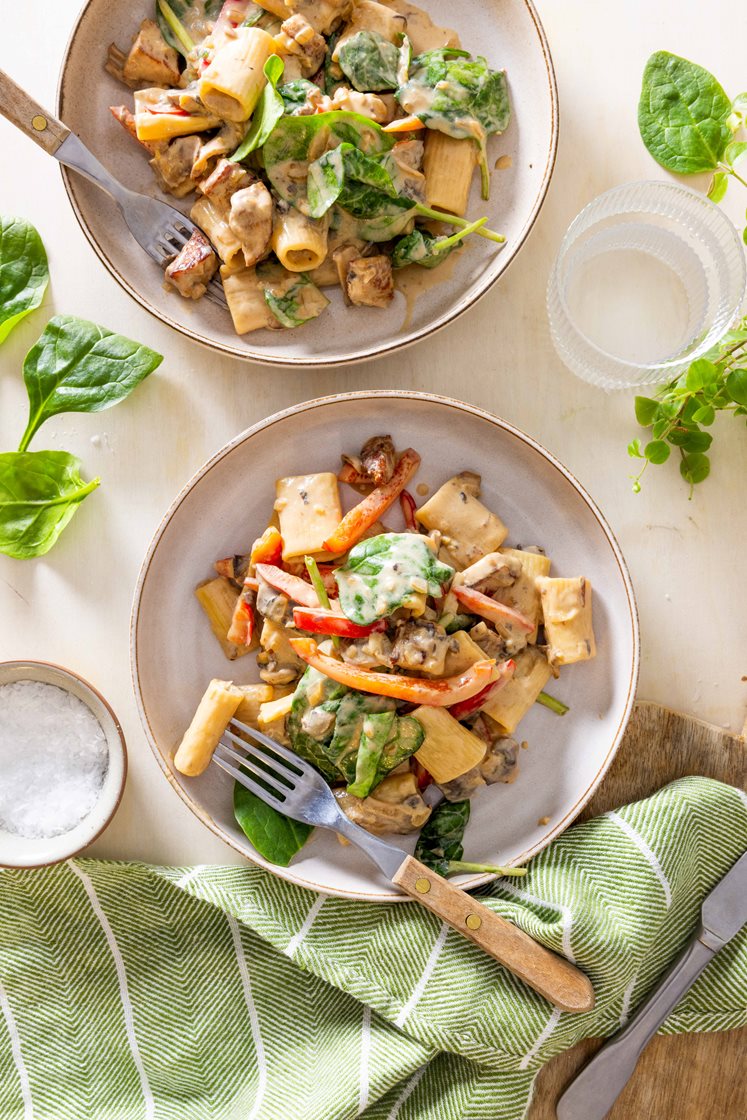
{"x":507,"y":32}
{"x":228,"y":503}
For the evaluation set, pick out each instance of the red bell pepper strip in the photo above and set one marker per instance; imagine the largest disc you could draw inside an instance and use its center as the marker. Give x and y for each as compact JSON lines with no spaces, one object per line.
{"x":241,"y":630}
{"x":268,"y":549}
{"x":374,"y":506}
{"x":297,"y":590}
{"x":327,"y":622}
{"x":477,"y":603}
{"x":437,"y":693}
{"x":407,"y":502}
{"x":475,"y":703}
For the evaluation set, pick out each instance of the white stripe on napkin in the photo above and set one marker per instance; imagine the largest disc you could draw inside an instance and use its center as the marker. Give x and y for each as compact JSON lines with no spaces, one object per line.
{"x":365,"y":1057}
{"x":123,"y":989}
{"x":650,"y":855}
{"x":311,"y":917}
{"x":427,"y":971}
{"x":566,"y":914}
{"x":191,"y":875}
{"x":15,"y":1046}
{"x":408,"y":1090}
{"x":549,"y":1027}
{"x":251,"y":1007}
{"x":627,"y":997}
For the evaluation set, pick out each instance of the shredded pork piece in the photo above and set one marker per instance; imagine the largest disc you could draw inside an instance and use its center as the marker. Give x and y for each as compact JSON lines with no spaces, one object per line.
{"x":150,"y":62}
{"x":224,"y":181}
{"x":351,"y":101}
{"x":303,"y":48}
{"x":173,"y":162}
{"x":192,"y":270}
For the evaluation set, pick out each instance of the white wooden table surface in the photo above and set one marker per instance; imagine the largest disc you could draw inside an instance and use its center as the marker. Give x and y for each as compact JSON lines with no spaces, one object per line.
{"x":687,"y":558}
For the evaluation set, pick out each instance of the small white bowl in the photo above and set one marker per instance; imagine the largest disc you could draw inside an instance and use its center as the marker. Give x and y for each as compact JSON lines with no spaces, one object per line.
{"x":22,"y":851}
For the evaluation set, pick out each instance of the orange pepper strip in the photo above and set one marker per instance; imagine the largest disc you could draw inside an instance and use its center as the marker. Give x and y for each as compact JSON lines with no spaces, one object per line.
{"x":405,"y":124}
{"x":241,"y":630}
{"x":439,"y":693}
{"x":268,"y":549}
{"x":374,"y":505}
{"x":491,"y":609}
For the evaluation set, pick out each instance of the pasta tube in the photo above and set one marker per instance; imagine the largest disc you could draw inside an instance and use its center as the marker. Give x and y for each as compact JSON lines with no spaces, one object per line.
{"x":523,"y":595}
{"x":253,"y":696}
{"x":211,"y":719}
{"x":509,"y":706}
{"x":231,"y":85}
{"x":309,"y":510}
{"x":276,"y":8}
{"x":449,"y":165}
{"x":212,"y":218}
{"x":158,"y":118}
{"x":246,"y":300}
{"x":300,"y":243}
{"x":566,"y":608}
{"x":449,"y":749}
{"x":470,"y":531}
{"x":218,"y":599}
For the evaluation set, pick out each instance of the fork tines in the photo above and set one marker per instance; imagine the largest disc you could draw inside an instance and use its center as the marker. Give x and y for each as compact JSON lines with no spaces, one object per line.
{"x":260,"y":758}
{"x":170,"y":241}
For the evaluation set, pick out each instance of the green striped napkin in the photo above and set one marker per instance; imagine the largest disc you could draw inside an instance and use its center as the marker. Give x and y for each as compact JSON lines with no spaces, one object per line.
{"x":140,"y":993}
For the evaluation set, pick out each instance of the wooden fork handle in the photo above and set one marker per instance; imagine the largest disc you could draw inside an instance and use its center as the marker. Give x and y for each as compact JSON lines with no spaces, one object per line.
{"x":550,"y":975}
{"x":26,"y":114}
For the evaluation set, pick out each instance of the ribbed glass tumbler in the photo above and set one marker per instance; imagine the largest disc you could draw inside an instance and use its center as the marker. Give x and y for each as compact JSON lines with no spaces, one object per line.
{"x":648,"y":278}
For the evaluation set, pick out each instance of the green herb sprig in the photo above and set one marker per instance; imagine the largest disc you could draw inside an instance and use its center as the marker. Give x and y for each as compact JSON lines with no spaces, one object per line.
{"x":680,"y":411}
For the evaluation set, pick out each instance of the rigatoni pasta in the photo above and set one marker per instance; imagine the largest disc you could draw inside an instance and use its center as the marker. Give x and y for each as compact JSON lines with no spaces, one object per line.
{"x":232,"y":83}
{"x":449,"y":164}
{"x":299,"y":242}
{"x":211,"y":719}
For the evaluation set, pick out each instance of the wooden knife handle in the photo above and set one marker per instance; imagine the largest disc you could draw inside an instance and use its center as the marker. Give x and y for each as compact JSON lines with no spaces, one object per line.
{"x":550,"y":975}
{"x":26,"y":114}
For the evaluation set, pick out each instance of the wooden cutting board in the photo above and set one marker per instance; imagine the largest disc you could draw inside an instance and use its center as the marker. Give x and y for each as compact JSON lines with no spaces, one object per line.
{"x":683,"y":1077}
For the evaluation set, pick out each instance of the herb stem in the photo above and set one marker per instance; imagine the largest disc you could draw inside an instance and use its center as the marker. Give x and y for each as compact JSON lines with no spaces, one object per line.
{"x":176,"y":25}
{"x":449,"y":242}
{"x":461,"y":223}
{"x":321,"y":591}
{"x":458,"y":865}
{"x":554,"y":705}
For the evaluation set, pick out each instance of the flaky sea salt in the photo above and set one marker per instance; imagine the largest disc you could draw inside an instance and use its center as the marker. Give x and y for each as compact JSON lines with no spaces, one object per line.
{"x":53,"y":759}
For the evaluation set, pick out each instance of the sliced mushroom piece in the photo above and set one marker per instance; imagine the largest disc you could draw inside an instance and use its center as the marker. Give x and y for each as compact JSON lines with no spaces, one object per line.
{"x":501,"y":761}
{"x":396,"y":805}
{"x":234,"y":568}
{"x":273,"y":671}
{"x":251,"y":220}
{"x":379,"y":458}
{"x":491,"y":643}
{"x":491,"y":573}
{"x":173,"y":162}
{"x":369,"y":281}
{"x":273,"y":604}
{"x":193,"y":269}
{"x":420,"y":646}
{"x":370,"y":652}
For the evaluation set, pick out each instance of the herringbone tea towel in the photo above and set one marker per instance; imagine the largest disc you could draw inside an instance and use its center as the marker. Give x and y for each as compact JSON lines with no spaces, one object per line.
{"x":140,"y":993}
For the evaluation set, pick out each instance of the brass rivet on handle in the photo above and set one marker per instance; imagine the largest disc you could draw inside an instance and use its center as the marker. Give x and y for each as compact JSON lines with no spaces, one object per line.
{"x":39,"y":123}
{"x":422,"y":886}
{"x":473,"y":921}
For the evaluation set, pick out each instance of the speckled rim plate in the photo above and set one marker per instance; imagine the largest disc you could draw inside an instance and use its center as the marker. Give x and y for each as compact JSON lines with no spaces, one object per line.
{"x":511,"y":35}
{"x":601,"y":692}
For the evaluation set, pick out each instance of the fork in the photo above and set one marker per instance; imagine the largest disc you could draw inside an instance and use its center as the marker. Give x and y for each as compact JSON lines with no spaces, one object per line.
{"x":160,"y":229}
{"x":290,"y":785}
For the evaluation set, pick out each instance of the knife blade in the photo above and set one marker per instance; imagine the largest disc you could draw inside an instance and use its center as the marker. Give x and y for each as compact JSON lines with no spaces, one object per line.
{"x":593,"y":1092}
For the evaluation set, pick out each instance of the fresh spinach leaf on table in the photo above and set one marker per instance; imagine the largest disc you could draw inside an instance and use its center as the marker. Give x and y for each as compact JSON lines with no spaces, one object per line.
{"x":275,"y":836}
{"x":24,"y":273}
{"x":39,"y":493}
{"x":370,"y":62}
{"x":268,"y":112}
{"x":382,"y":573}
{"x":460,"y":96}
{"x":77,"y":366}
{"x":683,"y":114}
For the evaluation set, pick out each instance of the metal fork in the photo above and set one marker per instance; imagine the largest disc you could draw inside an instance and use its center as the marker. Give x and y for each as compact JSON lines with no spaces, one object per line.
{"x":160,"y":229}
{"x":284,"y":781}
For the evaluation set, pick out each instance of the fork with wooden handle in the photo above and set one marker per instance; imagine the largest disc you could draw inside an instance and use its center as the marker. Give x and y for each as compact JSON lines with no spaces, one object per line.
{"x":293,"y":787}
{"x":160,"y":229}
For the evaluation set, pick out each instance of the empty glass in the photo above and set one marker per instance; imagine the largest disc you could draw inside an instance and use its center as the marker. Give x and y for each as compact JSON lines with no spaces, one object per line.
{"x":649,"y":276}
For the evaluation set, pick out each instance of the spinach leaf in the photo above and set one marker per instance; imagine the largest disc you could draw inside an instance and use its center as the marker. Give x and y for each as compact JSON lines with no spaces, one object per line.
{"x":295,"y":94}
{"x":683,"y":114}
{"x":24,"y":274}
{"x":268,"y":112}
{"x":332,"y":177}
{"x":463,"y":97}
{"x":369,"y":61}
{"x":350,"y":716}
{"x":77,"y":366}
{"x":384,"y":572}
{"x":177,"y":18}
{"x":441,"y":837}
{"x":39,"y":493}
{"x":295,"y":300}
{"x":374,"y":734}
{"x":295,"y":141}
{"x":275,"y":836}
{"x":311,"y":721}
{"x":427,"y":249}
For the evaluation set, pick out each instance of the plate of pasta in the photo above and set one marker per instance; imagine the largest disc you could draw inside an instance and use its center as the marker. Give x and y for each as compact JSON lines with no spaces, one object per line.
{"x":418,"y":600}
{"x":359,"y":172}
